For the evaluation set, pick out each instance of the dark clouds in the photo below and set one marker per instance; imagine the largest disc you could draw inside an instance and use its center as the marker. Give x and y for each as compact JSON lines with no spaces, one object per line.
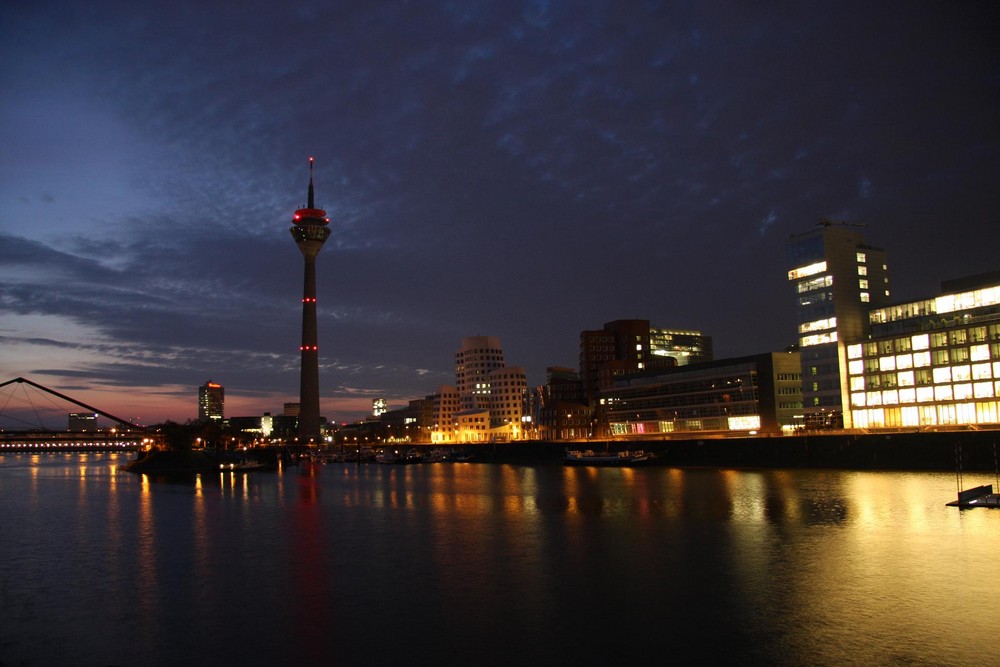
{"x":525,"y":170}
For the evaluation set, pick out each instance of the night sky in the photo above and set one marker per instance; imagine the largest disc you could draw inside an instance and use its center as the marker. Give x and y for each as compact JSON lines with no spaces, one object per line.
{"x":525,"y":170}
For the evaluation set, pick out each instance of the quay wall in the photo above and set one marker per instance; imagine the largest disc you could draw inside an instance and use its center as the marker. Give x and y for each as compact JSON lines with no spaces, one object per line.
{"x":939,"y":451}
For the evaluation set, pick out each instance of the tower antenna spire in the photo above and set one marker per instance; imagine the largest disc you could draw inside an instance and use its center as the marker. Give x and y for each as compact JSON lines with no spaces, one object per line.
{"x":310,"y":204}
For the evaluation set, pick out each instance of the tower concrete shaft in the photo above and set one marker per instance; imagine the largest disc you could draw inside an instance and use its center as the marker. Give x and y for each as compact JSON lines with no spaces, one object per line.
{"x":310,"y":231}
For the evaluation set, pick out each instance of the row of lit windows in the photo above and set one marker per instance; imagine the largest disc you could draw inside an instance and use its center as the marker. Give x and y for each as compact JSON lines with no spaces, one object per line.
{"x":818,"y":339}
{"x":815,"y":284}
{"x":806,"y":271}
{"x":936,"y":394}
{"x":948,"y":303}
{"x":818,"y":325}
{"x":951,"y":414}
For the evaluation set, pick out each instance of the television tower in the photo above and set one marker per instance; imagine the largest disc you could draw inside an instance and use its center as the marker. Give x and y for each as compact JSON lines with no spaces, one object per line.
{"x":310,"y":231}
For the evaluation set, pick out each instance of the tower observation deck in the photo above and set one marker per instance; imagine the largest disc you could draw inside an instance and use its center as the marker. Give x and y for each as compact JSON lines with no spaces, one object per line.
{"x":310,"y":231}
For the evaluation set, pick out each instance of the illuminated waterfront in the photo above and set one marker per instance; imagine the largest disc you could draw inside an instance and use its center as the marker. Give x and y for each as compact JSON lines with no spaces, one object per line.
{"x":490,"y":564}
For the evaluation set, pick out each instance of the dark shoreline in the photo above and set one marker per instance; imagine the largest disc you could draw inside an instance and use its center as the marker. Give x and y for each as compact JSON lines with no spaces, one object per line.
{"x":921,"y":451}
{"x":925,"y":451}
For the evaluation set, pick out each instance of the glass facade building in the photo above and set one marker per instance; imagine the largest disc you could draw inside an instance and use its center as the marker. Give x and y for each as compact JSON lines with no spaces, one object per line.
{"x":930,"y":363}
{"x":757,"y":394}
{"x":838,"y":278}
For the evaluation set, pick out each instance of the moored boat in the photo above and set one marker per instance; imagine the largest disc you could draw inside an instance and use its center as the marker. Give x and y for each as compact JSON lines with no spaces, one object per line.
{"x":589,"y":457}
{"x":386,"y":456}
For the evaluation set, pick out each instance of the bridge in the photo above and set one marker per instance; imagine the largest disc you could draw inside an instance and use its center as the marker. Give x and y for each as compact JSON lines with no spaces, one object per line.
{"x":124,"y":436}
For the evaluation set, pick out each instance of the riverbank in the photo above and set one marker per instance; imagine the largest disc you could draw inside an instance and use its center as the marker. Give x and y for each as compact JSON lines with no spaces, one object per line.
{"x":942,"y":452}
{"x":939,"y":452}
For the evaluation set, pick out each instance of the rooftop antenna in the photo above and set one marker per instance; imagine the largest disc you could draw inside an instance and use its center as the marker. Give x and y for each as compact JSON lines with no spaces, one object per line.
{"x":310,"y":203}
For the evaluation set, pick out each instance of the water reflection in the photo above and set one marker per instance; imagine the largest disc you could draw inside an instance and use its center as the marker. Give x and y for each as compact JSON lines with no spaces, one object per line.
{"x":322,"y":564}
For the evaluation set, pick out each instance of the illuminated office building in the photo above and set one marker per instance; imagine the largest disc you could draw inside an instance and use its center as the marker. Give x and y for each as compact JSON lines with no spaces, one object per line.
{"x":760,"y":394}
{"x":685,"y":347}
{"x":622,"y":347}
{"x":930,"y":363}
{"x":838,"y":278}
{"x":211,"y":402}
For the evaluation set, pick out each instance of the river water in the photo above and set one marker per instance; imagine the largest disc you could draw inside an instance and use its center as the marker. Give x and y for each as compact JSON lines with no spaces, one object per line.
{"x":491,"y":564}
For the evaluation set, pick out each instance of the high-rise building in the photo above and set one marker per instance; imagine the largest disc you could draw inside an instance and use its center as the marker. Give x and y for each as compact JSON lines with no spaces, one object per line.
{"x":838,"y":278}
{"x":211,"y":402}
{"x":310,"y":231}
{"x":478,"y":356}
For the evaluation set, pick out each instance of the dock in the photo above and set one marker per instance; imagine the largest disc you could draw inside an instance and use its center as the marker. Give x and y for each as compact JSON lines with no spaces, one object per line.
{"x":980,"y":496}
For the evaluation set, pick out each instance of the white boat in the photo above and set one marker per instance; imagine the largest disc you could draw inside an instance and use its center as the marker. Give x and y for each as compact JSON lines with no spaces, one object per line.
{"x":589,"y":457}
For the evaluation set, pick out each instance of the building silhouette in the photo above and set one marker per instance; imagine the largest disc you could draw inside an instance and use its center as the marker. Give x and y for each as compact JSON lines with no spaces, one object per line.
{"x":310,"y":231}
{"x":82,"y":421}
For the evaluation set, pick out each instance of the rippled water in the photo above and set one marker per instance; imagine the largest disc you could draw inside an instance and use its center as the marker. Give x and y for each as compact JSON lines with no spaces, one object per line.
{"x":491,"y":564}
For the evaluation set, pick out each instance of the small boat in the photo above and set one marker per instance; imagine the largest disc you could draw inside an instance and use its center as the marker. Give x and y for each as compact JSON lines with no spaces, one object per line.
{"x":413,"y":456}
{"x":386,"y":456}
{"x":589,"y":457}
{"x":438,"y":456}
{"x":246,"y":465}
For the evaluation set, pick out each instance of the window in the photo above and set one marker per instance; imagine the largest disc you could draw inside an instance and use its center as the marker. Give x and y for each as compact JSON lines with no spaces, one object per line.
{"x":981,"y":372}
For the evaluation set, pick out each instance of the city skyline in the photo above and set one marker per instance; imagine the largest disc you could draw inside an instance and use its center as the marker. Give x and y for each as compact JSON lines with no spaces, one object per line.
{"x":522,"y":171}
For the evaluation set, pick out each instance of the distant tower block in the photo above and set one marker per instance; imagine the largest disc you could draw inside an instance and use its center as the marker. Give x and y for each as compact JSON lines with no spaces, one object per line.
{"x":310,"y":231}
